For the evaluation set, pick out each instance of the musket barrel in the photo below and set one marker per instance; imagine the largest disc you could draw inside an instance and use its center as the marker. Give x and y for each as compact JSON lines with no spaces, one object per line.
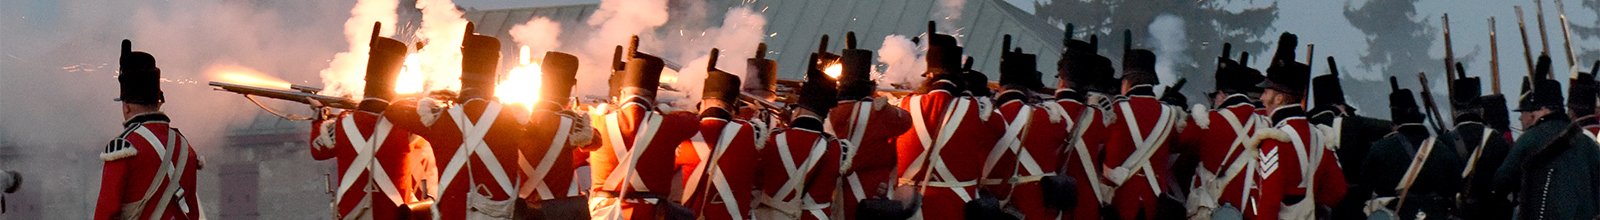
{"x":287,"y":95}
{"x":1449,"y":56}
{"x":1522,"y":27}
{"x":1566,"y":35}
{"x":1538,"y":12}
{"x":1494,"y":59}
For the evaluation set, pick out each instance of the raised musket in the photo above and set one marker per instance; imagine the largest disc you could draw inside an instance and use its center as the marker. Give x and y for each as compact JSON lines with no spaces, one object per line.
{"x":1494,"y":59}
{"x":1431,"y":109}
{"x":1449,"y":56}
{"x":297,"y":93}
{"x":1544,"y":39}
{"x":1566,"y":35}
{"x":1522,"y":27}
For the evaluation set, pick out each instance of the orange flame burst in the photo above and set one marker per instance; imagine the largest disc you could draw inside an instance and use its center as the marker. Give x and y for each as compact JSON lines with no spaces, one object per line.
{"x":521,"y":86}
{"x":833,"y":70}
{"x":411,"y":78}
{"x":245,"y":76}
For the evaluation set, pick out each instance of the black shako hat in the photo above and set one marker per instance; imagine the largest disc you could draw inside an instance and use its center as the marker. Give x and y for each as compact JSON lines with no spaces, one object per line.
{"x":560,"y":73}
{"x":818,"y":93}
{"x":719,"y":84}
{"x":763,"y":75}
{"x":1284,"y":74}
{"x":855,"y":79}
{"x":1018,"y":69}
{"x":480,"y":57}
{"x":140,"y":79}
{"x":384,"y":62}
{"x":1403,"y":104}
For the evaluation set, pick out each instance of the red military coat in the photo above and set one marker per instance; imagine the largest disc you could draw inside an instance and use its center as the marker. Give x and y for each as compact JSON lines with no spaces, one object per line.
{"x":373,"y":156}
{"x":871,"y":127}
{"x":1137,"y":154}
{"x":720,"y":190}
{"x":1285,"y":172}
{"x":1081,"y":159}
{"x":799,"y":173}
{"x":934,"y":146}
{"x":148,"y":159}
{"x":1036,"y":149}
{"x":1225,"y":142}
{"x":648,"y":178}
{"x":475,"y":145}
{"x":547,"y":162}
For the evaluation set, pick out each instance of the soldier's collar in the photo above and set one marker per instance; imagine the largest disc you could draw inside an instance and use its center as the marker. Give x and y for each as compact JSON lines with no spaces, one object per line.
{"x":1235,"y":100}
{"x":1011,"y":95}
{"x":1554,"y":117}
{"x":1287,"y":112}
{"x":1469,"y":117}
{"x":1073,"y":95}
{"x":808,"y":123}
{"x":716,"y":113}
{"x":1142,"y":90}
{"x":155,"y":116}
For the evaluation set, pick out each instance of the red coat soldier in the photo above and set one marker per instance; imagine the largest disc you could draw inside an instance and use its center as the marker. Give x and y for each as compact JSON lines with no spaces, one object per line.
{"x":150,"y":168}
{"x":1035,"y":136}
{"x":868,"y":123}
{"x":1300,"y":172}
{"x":1224,"y":141}
{"x":1081,"y":73}
{"x":931,"y":158}
{"x":1136,"y":151}
{"x":476,"y":139}
{"x":720,"y":162}
{"x":554,"y":132}
{"x":632,"y":168}
{"x":799,"y":170}
{"x":373,"y":170}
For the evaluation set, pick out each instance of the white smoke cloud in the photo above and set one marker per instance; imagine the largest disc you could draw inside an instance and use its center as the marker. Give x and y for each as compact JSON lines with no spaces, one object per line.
{"x":903,"y":61}
{"x":612,"y":25}
{"x":737,"y":38}
{"x":1171,"y":43}
{"x":443,"y":27}
{"x":345,"y":73}
{"x":539,"y":34}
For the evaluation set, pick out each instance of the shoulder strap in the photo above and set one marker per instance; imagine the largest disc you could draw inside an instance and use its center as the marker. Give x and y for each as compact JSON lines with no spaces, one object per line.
{"x":1417,"y":163}
{"x":1084,"y":159}
{"x":1009,"y":142}
{"x":555,"y":149}
{"x":1478,"y":152}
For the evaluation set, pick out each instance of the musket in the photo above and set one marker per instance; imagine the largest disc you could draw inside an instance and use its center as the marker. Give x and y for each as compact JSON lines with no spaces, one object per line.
{"x":1522,"y":27}
{"x":1494,"y":59}
{"x":1566,"y":35}
{"x":297,"y":93}
{"x":1428,"y":104}
{"x":1310,"y":56}
{"x":1449,"y":56}
{"x":1538,"y":13}
{"x":764,"y":104}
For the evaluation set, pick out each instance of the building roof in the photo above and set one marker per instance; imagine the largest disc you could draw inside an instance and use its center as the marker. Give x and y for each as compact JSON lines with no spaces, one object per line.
{"x":795,"y":26}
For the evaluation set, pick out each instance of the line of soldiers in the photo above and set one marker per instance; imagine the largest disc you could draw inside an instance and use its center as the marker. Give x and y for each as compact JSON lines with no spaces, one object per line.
{"x":1097,"y":146}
